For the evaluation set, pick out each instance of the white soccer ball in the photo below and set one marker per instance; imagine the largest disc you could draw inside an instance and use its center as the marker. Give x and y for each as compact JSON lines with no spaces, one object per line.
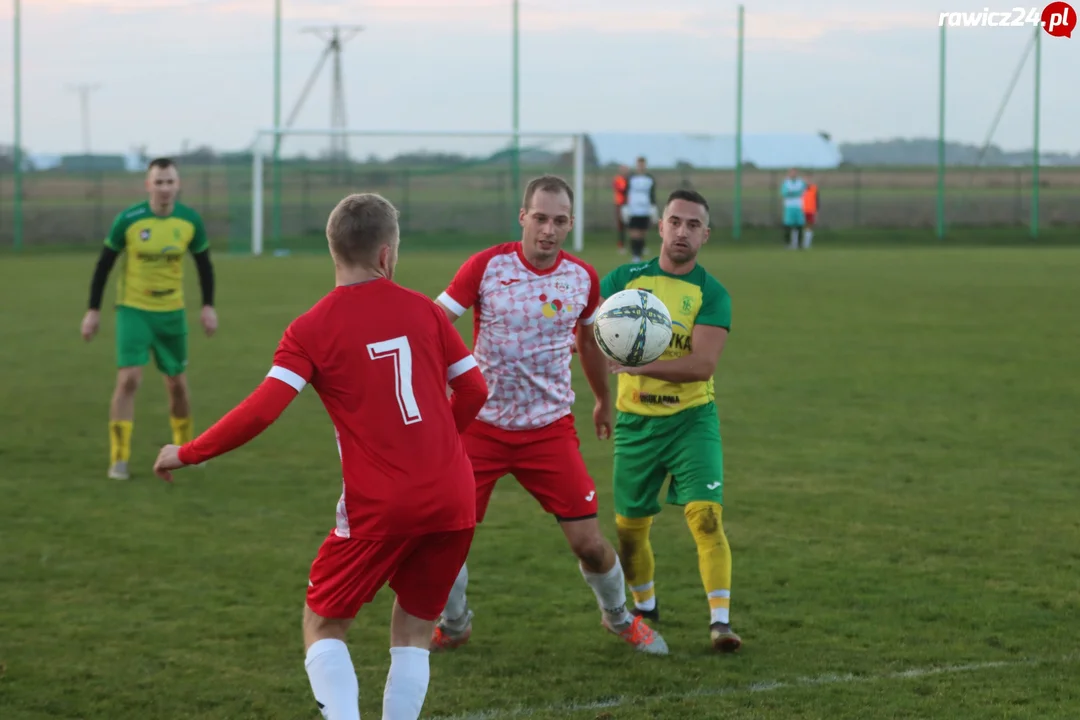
{"x":633,"y":327}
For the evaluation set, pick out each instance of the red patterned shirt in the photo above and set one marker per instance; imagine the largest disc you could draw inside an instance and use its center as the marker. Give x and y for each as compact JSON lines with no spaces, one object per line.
{"x":523,"y":330}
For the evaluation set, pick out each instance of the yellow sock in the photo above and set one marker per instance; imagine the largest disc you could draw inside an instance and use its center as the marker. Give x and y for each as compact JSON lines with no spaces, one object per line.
{"x":120,"y":440}
{"x":181,"y":429}
{"x":714,"y":556}
{"x":636,"y":555}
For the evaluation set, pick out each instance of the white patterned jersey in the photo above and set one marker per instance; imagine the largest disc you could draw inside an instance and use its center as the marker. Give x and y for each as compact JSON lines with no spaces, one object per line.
{"x":524,"y":324}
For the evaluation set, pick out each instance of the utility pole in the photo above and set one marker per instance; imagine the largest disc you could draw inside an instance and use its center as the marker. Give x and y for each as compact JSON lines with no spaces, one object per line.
{"x":335,"y":37}
{"x":84,"y":91}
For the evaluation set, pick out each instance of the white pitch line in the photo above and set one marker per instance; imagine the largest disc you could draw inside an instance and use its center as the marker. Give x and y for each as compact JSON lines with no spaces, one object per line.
{"x":757,"y":687}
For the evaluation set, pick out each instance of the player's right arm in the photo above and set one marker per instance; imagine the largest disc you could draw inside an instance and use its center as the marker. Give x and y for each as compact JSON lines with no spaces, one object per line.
{"x":292,"y":369}
{"x":464,"y":290}
{"x":114,"y":245}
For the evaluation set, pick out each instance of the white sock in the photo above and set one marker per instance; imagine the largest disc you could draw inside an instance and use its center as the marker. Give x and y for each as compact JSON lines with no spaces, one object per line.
{"x":808,"y":237}
{"x":456,"y":604}
{"x":406,"y":683}
{"x":610,"y":591}
{"x":333,"y":680}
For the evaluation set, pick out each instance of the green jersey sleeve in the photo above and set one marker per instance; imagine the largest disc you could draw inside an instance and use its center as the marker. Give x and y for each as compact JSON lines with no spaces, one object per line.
{"x":715,"y":305}
{"x":199,"y":243}
{"x":116,"y":239}
{"x":614,"y":281}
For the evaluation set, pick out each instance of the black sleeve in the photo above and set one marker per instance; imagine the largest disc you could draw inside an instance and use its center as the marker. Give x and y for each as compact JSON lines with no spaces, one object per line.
{"x":101,"y":276}
{"x":652,"y":190}
{"x":206,"y":276}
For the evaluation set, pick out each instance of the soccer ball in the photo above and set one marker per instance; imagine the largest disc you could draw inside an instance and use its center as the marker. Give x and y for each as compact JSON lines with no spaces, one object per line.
{"x":633,"y":327}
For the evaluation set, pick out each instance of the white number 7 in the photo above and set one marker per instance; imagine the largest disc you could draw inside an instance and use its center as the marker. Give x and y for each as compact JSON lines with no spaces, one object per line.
{"x":399,"y":351}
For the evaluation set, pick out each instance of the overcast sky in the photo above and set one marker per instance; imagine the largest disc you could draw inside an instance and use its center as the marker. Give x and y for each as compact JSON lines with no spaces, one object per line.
{"x":200,"y":71}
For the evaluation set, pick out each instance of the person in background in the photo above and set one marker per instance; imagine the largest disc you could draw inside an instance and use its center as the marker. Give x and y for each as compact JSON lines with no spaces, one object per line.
{"x":640,"y":212}
{"x":791,"y":192}
{"x":619,"y":184}
{"x":150,"y":240}
{"x":811,"y":205}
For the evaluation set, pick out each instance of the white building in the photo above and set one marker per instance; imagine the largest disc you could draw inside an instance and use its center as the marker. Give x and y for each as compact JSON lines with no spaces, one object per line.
{"x":668,"y":150}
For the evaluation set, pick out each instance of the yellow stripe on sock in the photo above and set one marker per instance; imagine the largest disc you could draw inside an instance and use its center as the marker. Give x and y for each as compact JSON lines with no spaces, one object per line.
{"x":719,"y":599}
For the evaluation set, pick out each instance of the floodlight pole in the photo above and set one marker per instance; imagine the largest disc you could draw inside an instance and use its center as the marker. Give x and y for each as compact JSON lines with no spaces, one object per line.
{"x":515,"y":110}
{"x":1035,"y":145}
{"x":736,"y":230}
{"x":276,"y":223}
{"x":17,"y":220}
{"x":941,"y":139}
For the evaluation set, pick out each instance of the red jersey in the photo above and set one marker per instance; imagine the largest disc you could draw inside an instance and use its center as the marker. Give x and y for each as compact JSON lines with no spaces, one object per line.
{"x":380,"y":356}
{"x":523,"y":330}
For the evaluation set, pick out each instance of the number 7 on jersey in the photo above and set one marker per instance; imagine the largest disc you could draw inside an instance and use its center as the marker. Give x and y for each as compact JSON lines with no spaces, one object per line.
{"x":398,"y":350}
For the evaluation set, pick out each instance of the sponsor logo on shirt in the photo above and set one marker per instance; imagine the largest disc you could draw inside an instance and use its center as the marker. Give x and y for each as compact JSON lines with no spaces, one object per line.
{"x":653,"y":399}
{"x":551,"y":308}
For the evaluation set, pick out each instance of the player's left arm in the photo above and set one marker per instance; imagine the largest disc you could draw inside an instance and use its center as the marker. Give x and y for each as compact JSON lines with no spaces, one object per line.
{"x":200,"y":250}
{"x":468,"y":389}
{"x":291,"y":371}
{"x":707,"y":342}
{"x":593,"y":361}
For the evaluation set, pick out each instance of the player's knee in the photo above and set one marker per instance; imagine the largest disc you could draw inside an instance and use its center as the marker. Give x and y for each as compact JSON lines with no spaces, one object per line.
{"x":128,"y":380}
{"x":705,"y":519}
{"x":178,"y":389}
{"x":631,"y":532}
{"x":317,"y":627}
{"x":591,"y":550}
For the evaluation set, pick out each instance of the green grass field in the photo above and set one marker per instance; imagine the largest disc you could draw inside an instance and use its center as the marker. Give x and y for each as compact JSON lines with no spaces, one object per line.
{"x":901,"y":447}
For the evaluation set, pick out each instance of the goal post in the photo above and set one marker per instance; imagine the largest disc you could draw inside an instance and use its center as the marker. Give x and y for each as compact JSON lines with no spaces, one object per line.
{"x":452,"y":188}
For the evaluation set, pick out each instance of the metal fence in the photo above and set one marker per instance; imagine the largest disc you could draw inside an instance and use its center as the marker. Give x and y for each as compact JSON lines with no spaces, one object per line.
{"x":65,"y":208}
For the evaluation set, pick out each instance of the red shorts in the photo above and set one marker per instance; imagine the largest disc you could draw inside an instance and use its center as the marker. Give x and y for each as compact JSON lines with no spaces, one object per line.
{"x":546,"y":461}
{"x":421,"y":569}
{"x":809,"y":218}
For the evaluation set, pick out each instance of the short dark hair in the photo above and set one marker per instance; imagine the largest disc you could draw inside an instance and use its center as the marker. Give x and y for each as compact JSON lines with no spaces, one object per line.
{"x":161,"y":162}
{"x":547,"y":183}
{"x":360,"y":225}
{"x":689,"y":196}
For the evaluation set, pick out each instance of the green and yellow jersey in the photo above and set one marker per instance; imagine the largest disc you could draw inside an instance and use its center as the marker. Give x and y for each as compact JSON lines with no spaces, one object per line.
{"x":153,"y":247}
{"x":696,"y":298}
